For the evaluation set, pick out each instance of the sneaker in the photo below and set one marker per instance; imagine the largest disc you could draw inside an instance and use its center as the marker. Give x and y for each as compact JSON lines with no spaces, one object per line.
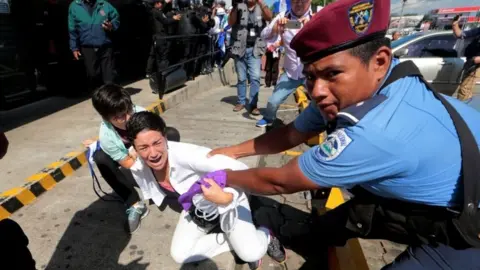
{"x":238,"y":107}
{"x":255,"y":265}
{"x":263,"y":123}
{"x":135,"y":214}
{"x":275,"y":250}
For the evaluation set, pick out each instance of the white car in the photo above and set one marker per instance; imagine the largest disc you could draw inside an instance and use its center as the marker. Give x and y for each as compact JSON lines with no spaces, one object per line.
{"x":439,"y":56}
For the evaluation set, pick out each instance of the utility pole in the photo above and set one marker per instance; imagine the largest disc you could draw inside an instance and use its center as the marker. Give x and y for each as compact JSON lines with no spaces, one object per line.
{"x":400,"y":25}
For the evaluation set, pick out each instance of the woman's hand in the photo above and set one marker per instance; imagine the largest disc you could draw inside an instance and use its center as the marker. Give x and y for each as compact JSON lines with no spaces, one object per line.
{"x":88,"y":142}
{"x":215,"y":193}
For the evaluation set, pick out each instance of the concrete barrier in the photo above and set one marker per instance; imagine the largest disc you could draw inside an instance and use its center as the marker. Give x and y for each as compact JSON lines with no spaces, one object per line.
{"x":46,"y":179}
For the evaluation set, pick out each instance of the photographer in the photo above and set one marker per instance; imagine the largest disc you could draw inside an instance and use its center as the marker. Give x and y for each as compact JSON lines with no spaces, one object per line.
{"x":284,"y":27}
{"x":471,"y":69}
{"x":248,"y":47}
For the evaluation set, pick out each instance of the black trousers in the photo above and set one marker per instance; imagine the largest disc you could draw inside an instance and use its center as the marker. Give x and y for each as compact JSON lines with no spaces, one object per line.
{"x":151,"y":60}
{"x":14,"y":252}
{"x":271,"y":69}
{"x":121,"y":182}
{"x":99,"y":61}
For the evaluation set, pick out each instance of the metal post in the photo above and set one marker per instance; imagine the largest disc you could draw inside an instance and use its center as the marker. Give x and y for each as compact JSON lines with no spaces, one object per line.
{"x":400,"y":25}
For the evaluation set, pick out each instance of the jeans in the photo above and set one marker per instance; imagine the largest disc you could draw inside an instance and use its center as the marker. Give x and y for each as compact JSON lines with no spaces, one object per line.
{"x":248,"y":65}
{"x":284,"y":88}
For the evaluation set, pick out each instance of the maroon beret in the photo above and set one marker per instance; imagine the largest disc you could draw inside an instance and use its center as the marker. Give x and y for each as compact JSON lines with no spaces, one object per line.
{"x":341,"y":25}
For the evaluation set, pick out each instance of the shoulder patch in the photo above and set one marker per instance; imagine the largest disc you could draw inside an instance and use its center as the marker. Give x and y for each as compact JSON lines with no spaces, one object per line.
{"x":334,"y":145}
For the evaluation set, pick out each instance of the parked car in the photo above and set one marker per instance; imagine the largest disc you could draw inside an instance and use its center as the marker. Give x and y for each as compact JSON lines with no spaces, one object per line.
{"x":439,"y":56}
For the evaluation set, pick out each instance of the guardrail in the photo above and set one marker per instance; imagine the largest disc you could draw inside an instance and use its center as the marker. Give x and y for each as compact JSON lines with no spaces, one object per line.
{"x":350,"y":256}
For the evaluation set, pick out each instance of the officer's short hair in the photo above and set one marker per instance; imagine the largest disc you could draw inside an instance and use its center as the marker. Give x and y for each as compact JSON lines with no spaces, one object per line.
{"x":366,"y":50}
{"x":111,"y":100}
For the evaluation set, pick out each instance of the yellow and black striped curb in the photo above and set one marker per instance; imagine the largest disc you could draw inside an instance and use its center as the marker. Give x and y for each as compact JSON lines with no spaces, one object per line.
{"x":17,"y":197}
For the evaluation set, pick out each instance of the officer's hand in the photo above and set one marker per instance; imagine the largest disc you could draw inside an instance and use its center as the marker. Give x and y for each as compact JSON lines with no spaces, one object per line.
{"x":205,"y":18}
{"x":177,"y":17}
{"x":226,"y":151}
{"x":76,"y":54}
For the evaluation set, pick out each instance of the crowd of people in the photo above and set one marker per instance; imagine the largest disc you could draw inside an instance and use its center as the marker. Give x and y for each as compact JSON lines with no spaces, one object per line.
{"x":385,"y":126}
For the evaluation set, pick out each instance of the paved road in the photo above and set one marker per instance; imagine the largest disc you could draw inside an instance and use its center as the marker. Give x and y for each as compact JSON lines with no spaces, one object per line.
{"x":71,"y":228}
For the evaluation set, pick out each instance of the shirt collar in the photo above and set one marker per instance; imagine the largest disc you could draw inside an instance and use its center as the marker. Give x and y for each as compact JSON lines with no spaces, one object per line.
{"x":308,"y":13}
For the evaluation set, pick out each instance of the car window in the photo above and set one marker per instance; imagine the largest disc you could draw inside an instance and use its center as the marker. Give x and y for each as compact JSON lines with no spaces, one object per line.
{"x":435,"y":46}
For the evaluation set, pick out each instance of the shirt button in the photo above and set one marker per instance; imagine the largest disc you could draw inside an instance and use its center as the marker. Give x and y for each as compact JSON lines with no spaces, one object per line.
{"x":359,"y":225}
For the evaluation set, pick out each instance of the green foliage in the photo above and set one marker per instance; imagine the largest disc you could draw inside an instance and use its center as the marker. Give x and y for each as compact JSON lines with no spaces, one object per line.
{"x":321,"y":2}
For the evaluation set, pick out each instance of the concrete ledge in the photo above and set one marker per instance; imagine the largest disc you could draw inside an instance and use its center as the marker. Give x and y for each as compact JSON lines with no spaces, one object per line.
{"x":37,"y":184}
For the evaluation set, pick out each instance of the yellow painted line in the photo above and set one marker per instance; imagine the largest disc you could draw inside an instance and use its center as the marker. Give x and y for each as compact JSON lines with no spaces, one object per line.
{"x":45,"y":179}
{"x":26,"y":196}
{"x":3,"y":213}
{"x":66,"y":169}
{"x":11,"y":192}
{"x":82,"y":159}
{"x":292,"y":153}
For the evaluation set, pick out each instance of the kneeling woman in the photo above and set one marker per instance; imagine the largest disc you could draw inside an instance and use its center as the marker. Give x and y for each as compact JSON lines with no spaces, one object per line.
{"x":171,"y":168}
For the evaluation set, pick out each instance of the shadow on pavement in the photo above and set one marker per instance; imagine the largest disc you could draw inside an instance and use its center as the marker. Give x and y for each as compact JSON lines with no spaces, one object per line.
{"x":232,"y":100}
{"x":206,"y":264}
{"x":292,"y":227}
{"x":88,"y":243}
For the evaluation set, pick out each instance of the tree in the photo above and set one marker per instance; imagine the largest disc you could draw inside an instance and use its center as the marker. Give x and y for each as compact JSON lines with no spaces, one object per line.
{"x":321,"y":2}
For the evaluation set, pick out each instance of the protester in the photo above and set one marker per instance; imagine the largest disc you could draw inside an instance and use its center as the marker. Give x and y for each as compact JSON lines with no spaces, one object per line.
{"x":471,"y":69}
{"x":90,"y":25}
{"x":166,"y":168}
{"x":115,"y":106}
{"x":293,"y":76}
{"x":408,"y":154}
{"x":247,"y":22}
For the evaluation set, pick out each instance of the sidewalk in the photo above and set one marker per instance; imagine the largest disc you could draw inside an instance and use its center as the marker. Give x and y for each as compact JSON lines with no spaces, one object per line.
{"x":71,"y":228}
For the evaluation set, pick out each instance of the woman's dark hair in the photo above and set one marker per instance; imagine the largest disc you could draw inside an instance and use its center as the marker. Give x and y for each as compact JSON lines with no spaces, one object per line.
{"x":144,"y":121}
{"x":110,"y":100}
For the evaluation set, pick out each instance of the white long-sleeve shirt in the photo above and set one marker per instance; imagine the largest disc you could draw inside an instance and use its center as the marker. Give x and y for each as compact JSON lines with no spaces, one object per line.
{"x":188,"y":162}
{"x":292,"y":64}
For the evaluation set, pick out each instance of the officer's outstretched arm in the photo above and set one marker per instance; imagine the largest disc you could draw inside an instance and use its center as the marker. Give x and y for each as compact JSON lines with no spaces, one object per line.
{"x":270,"y":181}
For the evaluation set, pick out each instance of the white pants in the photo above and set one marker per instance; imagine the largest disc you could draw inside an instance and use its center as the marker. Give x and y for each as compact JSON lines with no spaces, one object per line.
{"x":190,"y":243}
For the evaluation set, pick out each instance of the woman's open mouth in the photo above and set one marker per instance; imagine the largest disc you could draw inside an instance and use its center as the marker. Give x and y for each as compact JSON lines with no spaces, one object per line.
{"x":156,"y":160}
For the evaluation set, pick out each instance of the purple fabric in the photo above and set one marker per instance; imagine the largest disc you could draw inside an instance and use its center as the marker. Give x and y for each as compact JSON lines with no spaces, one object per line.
{"x":220,"y":177}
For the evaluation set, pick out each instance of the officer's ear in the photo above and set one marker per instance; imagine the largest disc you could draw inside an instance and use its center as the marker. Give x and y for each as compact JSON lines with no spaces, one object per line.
{"x":380,"y":62}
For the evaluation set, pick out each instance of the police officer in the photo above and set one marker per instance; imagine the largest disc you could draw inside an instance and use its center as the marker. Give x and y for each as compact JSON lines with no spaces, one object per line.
{"x":161,"y":45}
{"x":408,"y":154}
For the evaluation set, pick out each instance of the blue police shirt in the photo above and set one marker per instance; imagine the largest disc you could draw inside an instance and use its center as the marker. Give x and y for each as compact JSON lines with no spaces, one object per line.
{"x":403,"y":145}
